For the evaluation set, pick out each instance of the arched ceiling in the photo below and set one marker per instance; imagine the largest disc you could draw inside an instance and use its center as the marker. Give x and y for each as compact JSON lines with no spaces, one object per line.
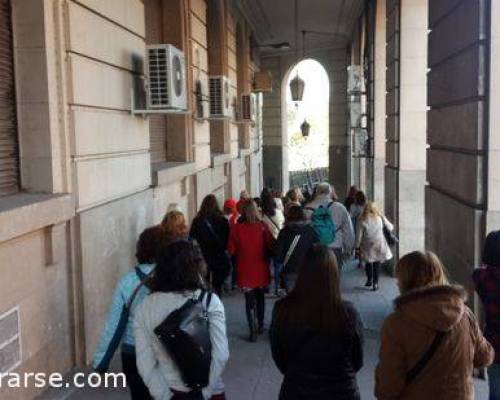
{"x":273,"y":21}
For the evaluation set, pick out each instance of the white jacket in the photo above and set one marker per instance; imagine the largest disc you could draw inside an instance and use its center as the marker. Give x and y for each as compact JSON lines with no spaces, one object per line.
{"x":158,"y":370}
{"x":371,"y":240}
{"x":344,"y":238}
{"x":274,"y":223}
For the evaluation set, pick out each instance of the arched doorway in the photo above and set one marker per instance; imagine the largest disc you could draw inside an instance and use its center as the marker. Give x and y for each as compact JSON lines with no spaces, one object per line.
{"x":308,"y":157}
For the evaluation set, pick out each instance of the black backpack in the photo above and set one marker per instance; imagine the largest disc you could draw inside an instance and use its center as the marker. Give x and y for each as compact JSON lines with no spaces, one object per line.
{"x":186,"y":337}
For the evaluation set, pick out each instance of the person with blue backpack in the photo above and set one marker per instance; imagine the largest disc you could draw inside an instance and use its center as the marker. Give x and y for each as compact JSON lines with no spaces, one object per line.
{"x":129,"y":293}
{"x":332,"y":222}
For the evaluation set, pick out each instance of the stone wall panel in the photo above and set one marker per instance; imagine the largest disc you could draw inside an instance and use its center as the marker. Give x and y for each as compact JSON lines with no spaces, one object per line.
{"x":458,"y":78}
{"x":458,"y":30}
{"x":458,"y":126}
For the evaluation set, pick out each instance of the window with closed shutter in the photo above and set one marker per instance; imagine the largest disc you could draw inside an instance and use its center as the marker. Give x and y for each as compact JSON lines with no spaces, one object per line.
{"x":9,"y":161}
{"x":157,"y":122}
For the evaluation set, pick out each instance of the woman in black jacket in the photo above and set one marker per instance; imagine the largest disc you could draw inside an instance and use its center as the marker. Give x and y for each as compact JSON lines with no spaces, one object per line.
{"x":211,"y":230}
{"x":294,"y":240}
{"x":316,"y":338}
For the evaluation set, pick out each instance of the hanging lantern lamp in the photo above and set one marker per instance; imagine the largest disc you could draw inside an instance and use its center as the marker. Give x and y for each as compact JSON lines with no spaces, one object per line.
{"x":305,"y":128}
{"x":297,"y":85}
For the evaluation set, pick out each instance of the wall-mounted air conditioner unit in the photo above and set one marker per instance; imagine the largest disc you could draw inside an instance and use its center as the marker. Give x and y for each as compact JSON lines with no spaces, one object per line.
{"x":248,"y":107}
{"x":219,"y":95}
{"x":166,"y":69}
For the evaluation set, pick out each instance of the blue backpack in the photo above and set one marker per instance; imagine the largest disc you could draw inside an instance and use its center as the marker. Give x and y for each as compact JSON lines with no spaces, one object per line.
{"x":323,"y":224}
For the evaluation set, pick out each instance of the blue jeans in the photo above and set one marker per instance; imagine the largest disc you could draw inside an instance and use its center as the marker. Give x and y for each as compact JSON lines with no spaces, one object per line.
{"x":494,"y":381}
{"x":277,"y":266}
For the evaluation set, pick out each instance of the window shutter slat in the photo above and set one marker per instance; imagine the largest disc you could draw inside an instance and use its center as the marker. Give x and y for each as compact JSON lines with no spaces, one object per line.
{"x":9,"y":155}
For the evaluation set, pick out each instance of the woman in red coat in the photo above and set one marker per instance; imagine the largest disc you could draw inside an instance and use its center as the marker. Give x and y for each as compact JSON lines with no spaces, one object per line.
{"x":251,"y":243}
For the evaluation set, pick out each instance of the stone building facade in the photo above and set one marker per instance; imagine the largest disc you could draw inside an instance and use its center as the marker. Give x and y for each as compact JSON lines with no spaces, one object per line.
{"x":91,"y":176}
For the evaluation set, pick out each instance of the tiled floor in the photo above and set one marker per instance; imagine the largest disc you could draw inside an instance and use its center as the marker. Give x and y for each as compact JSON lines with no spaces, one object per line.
{"x":251,"y":374}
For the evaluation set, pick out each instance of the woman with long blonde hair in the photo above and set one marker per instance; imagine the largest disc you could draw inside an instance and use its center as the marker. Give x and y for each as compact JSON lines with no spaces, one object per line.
{"x":371,"y":243}
{"x":431,"y":342}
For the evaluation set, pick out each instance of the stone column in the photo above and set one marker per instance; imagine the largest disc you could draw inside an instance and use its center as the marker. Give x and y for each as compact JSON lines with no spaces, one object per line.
{"x":340,"y":145}
{"x":379,"y":106}
{"x":463,"y":191}
{"x":274,"y":149}
{"x":493,"y":152}
{"x":406,"y":120}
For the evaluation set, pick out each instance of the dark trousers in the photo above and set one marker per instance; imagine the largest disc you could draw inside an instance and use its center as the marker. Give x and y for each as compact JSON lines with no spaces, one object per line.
{"x":372,"y":270}
{"x":234,"y":273}
{"x":218,"y":277}
{"x":289,"y":281}
{"x":255,"y":306}
{"x":138,"y":389}
{"x":339,"y":255}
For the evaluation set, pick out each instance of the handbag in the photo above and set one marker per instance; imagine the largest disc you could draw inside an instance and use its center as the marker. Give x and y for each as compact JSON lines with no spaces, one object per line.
{"x":390,"y":236}
{"x":185,"y":336}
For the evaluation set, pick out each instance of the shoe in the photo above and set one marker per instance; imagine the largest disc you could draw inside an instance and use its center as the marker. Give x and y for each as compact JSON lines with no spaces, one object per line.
{"x":368,"y":283}
{"x":253,"y":336}
{"x":375,"y":287}
{"x":260,"y":329}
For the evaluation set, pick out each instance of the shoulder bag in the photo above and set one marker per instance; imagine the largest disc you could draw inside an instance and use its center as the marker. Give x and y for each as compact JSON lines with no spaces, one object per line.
{"x":185,"y":335}
{"x":390,"y":236}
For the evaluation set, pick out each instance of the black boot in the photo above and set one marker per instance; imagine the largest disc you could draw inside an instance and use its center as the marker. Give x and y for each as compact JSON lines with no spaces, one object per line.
{"x":250,"y":311}
{"x":376,"y":267}
{"x":261,"y":309}
{"x":369,"y":274}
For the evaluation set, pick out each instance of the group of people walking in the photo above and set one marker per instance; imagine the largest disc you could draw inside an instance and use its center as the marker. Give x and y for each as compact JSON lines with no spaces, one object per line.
{"x":168,"y":319}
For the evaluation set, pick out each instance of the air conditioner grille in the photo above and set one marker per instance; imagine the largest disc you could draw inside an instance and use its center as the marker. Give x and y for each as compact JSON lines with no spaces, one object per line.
{"x":158,"y":70}
{"x":248,"y":107}
{"x":216,"y":100}
{"x":245,"y":107}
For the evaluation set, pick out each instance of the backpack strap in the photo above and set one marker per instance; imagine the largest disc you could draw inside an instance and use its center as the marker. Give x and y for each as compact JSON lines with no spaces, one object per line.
{"x":143,"y":278}
{"x":291,"y":249}
{"x":122,"y":323}
{"x":209,"y":300}
{"x":141,"y":275}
